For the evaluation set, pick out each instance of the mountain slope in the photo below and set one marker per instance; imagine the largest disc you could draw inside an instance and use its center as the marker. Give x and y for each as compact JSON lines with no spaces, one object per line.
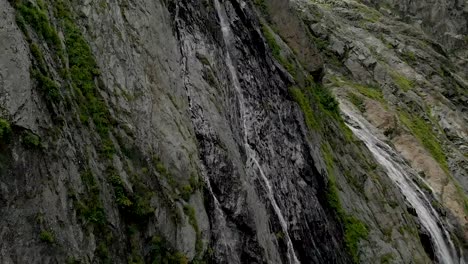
{"x":199,"y":131}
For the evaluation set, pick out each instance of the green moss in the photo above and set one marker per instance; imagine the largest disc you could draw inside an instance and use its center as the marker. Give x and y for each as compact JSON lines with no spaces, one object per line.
{"x":72,"y":260}
{"x":136,"y":206}
{"x":287,"y":63}
{"x":461,"y":194}
{"x":135,"y":254}
{"x":304,"y":103}
{"x":83,"y":71}
{"x":31,"y":140}
{"x":195,"y":182}
{"x":102,"y":251}
{"x":38,"y":56}
{"x":107,"y":148}
{"x":261,"y":5}
{"x":369,"y":14}
{"x":90,"y":209}
{"x":203,"y":59}
{"x":47,"y":236}
{"x":354,"y":229}
{"x":22,"y":26}
{"x":190,"y":212}
{"x":162,"y":252}
{"x":401,"y":81}
{"x":5,"y":131}
{"x":49,"y":87}
{"x":141,"y":199}
{"x":163,"y":171}
{"x":424,"y":133}
{"x":368,"y":91}
{"x":322,"y":98}
{"x":38,"y":20}
{"x":387,"y":258}
{"x":325,"y":99}
{"x":186,"y":192}
{"x":36,"y":17}
{"x":120,"y":193}
{"x":357,"y":101}
{"x":409,"y":56}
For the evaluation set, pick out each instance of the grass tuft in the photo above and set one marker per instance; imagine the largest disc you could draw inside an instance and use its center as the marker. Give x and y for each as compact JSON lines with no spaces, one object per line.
{"x":424,"y":133}
{"x":354,"y":229}
{"x":5,"y":131}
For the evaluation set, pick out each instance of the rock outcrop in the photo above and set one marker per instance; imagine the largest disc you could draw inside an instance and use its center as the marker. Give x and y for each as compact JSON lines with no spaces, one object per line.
{"x":201,"y":131}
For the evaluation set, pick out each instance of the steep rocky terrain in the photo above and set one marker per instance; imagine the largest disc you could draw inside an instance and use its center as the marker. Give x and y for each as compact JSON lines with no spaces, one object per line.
{"x":153,"y":131}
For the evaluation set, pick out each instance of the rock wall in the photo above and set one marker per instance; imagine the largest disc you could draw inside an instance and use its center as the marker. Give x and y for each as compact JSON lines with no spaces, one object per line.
{"x":122,"y":140}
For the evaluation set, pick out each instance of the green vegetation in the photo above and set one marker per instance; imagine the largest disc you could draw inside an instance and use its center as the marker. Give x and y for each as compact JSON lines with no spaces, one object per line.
{"x":186,"y":192}
{"x":368,"y":13}
{"x":49,"y":87}
{"x":423,"y":132}
{"x":318,"y":95}
{"x":161,"y":169}
{"x":38,"y":20}
{"x":37,"y":54}
{"x":305,"y":105}
{"x":135,"y":254}
{"x":210,"y":77}
{"x":261,"y":6}
{"x":409,"y":56}
{"x":462,"y":196}
{"x":72,"y":260}
{"x":103,"y":252}
{"x":83,"y":70}
{"x":91,"y":209}
{"x":288,"y":64}
{"x":357,"y":101}
{"x":5,"y":131}
{"x":31,"y":140}
{"x":368,"y":91}
{"x":386,"y":258}
{"x":119,"y":190}
{"x":401,"y":81}
{"x":325,"y":99}
{"x":47,"y":236}
{"x":141,"y":199}
{"x":135,"y":205}
{"x":162,"y":252}
{"x":321,"y":44}
{"x":82,"y":73}
{"x":190,"y":212}
{"x":203,"y":59}
{"x":354,"y":229}
{"x":91,"y":213}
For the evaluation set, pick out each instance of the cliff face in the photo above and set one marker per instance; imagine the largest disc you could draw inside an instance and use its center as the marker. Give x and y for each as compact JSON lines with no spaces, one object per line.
{"x":446,"y":21}
{"x":201,"y":131}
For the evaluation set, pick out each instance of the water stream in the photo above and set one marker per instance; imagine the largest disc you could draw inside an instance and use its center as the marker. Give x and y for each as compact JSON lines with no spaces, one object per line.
{"x":398,"y":172}
{"x":251,"y":155}
{"x":227,"y":242}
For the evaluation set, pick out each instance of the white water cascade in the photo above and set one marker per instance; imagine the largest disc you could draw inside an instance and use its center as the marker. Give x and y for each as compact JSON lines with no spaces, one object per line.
{"x":227,"y":242}
{"x":226,"y":30}
{"x":399,"y":174}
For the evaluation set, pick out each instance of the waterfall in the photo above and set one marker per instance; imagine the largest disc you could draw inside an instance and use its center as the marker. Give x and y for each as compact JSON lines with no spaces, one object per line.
{"x":227,"y":242}
{"x":399,"y":174}
{"x":226,"y":30}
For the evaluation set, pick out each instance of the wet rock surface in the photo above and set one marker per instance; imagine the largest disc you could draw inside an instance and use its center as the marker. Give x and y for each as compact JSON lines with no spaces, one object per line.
{"x":129,"y":142}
